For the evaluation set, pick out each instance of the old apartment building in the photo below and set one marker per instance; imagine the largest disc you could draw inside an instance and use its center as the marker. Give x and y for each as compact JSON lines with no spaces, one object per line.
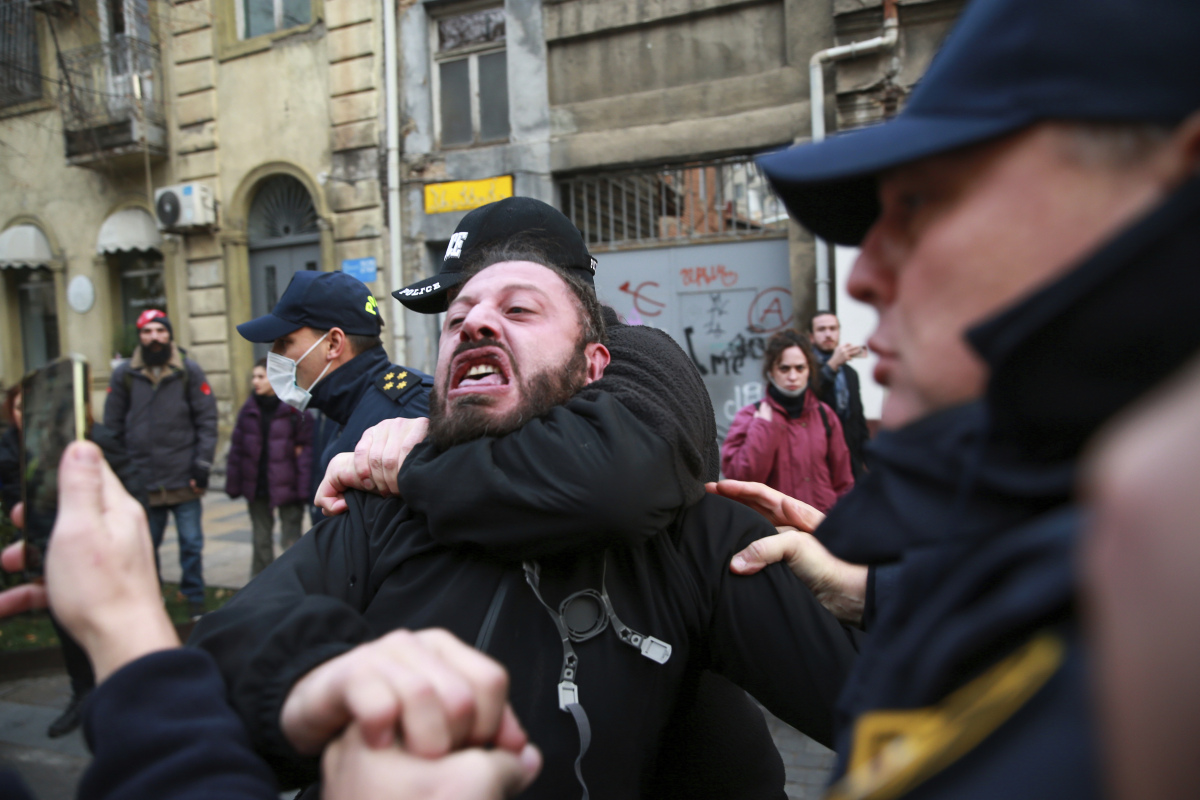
{"x":261,"y":116}
{"x":193,"y":155}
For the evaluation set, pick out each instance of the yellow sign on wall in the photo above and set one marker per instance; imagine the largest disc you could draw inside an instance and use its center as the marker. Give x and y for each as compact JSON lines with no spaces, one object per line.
{"x":466,"y":195}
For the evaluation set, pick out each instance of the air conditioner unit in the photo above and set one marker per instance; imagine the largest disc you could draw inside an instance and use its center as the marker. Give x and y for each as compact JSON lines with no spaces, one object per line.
{"x":188,"y":205}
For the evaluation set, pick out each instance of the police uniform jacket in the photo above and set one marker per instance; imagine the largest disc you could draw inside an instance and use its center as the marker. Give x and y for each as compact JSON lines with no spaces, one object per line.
{"x":973,"y":668}
{"x":361,"y":393}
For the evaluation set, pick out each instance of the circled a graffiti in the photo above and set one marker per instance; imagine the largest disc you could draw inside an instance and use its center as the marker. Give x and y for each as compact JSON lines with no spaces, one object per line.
{"x":770,"y":311}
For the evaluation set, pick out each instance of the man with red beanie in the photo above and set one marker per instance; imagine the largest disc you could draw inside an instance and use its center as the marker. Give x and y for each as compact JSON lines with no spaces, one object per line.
{"x":162,"y":410}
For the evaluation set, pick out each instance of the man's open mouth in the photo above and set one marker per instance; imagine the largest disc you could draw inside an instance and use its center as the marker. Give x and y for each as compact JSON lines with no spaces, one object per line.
{"x":480,"y":370}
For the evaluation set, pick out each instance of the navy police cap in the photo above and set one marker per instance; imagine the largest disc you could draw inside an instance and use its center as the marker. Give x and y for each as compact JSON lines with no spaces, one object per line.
{"x":496,"y":223}
{"x":320,"y":300}
{"x":1006,"y":65}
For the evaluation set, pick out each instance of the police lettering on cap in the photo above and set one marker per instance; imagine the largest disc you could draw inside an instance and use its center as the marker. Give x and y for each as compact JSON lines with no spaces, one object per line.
{"x":496,"y":223}
{"x":1007,"y":64}
{"x":320,"y":300}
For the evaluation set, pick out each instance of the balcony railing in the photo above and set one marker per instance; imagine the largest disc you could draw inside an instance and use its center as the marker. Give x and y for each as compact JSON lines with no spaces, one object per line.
{"x":111,"y":97}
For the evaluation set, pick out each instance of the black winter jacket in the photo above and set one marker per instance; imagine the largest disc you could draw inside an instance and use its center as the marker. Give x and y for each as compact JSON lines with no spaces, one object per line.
{"x":854,"y":421}
{"x":160,"y":727}
{"x":378,"y":567}
{"x":169,"y":429}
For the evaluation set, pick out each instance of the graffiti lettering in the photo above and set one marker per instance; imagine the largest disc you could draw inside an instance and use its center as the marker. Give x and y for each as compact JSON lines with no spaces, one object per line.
{"x":707,"y":276}
{"x":687,"y":335}
{"x":743,"y":396}
{"x":770,"y":311}
{"x":732,"y":359}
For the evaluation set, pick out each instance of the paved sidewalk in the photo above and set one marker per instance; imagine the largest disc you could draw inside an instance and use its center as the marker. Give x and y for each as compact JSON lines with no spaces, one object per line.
{"x":227,"y":549}
{"x":51,"y":767}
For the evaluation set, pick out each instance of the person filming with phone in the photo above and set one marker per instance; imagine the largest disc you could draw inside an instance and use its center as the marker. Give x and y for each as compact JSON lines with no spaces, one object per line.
{"x":840,"y":388}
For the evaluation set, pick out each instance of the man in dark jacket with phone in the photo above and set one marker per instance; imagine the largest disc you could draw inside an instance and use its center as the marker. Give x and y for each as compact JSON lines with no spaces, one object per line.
{"x":162,"y":410}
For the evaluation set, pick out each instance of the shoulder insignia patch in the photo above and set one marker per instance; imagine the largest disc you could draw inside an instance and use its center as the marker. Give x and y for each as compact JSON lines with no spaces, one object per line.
{"x":396,"y":383}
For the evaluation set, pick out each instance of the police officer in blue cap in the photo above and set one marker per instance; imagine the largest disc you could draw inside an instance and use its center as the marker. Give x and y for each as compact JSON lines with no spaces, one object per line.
{"x":1030,"y":233}
{"x":326,"y":353}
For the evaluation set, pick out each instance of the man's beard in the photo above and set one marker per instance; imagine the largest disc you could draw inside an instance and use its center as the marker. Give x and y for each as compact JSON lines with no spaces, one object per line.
{"x":469,"y":418}
{"x":156,"y":354}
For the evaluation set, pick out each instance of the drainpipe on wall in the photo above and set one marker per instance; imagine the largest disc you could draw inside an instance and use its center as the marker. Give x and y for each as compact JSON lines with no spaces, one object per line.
{"x":391,"y":103}
{"x":816,"y":80}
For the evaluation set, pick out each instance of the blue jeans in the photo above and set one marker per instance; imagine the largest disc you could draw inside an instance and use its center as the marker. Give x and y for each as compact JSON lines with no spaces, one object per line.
{"x":191,"y":544}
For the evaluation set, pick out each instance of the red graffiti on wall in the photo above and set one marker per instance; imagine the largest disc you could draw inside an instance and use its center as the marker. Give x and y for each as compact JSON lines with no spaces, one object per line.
{"x":770,"y":311}
{"x":654,"y":307}
{"x":707,"y":276}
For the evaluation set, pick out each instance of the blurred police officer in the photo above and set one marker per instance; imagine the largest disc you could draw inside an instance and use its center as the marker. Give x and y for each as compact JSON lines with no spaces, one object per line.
{"x":326,"y":353}
{"x":1040,"y":183}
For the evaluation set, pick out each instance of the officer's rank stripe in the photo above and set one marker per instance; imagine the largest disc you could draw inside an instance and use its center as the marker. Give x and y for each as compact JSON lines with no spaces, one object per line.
{"x":895,"y":751}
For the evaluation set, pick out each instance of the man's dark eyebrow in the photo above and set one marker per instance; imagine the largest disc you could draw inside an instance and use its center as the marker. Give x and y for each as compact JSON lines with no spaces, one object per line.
{"x":507,"y":288}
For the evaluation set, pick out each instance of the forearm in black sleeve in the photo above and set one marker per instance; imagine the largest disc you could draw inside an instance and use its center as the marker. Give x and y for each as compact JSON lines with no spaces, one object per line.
{"x":768,"y":634}
{"x":160,"y":727}
{"x":588,"y":475}
{"x":301,"y":611}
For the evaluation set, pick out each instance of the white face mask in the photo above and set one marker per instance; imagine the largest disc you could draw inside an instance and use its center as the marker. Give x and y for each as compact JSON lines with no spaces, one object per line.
{"x":281,"y":373}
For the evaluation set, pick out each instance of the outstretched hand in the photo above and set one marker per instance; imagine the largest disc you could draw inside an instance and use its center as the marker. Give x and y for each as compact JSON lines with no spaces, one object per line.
{"x":427,"y":688}
{"x":777,"y":507}
{"x":838,"y":585}
{"x":374,"y":466}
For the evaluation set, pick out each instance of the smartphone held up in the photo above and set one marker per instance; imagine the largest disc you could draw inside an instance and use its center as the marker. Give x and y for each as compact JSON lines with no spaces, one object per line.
{"x":55,"y":412}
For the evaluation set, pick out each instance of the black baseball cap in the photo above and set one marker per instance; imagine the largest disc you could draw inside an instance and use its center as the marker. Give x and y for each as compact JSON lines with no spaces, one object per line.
{"x":320,"y":300}
{"x":1006,"y":65}
{"x":493,"y":224}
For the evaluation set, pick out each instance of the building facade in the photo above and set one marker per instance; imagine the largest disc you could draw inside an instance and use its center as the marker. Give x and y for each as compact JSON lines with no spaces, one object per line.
{"x":271,"y":108}
{"x":640,"y":121}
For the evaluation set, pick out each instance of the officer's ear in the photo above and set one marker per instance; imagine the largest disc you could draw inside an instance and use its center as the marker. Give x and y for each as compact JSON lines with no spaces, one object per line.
{"x":339,"y":345}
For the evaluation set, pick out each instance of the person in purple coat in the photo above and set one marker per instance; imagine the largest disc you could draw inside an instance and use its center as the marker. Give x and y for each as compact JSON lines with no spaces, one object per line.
{"x":270,"y":464}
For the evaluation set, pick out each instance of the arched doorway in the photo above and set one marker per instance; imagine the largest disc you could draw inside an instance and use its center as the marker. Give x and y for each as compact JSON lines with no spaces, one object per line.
{"x":283,"y":238}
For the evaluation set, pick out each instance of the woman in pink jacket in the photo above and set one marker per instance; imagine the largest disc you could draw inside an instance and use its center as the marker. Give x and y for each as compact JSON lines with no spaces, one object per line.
{"x":790,"y":440}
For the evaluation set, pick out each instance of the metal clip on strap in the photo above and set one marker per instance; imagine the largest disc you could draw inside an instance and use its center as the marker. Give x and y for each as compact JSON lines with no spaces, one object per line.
{"x":568,"y":691}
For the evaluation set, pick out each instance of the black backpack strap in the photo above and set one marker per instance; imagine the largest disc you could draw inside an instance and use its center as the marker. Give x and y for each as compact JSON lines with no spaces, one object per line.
{"x":825,"y":420}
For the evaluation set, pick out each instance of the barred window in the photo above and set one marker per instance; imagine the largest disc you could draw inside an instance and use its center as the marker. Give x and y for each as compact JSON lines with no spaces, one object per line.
{"x":20,"y":67}
{"x":722,"y":199}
